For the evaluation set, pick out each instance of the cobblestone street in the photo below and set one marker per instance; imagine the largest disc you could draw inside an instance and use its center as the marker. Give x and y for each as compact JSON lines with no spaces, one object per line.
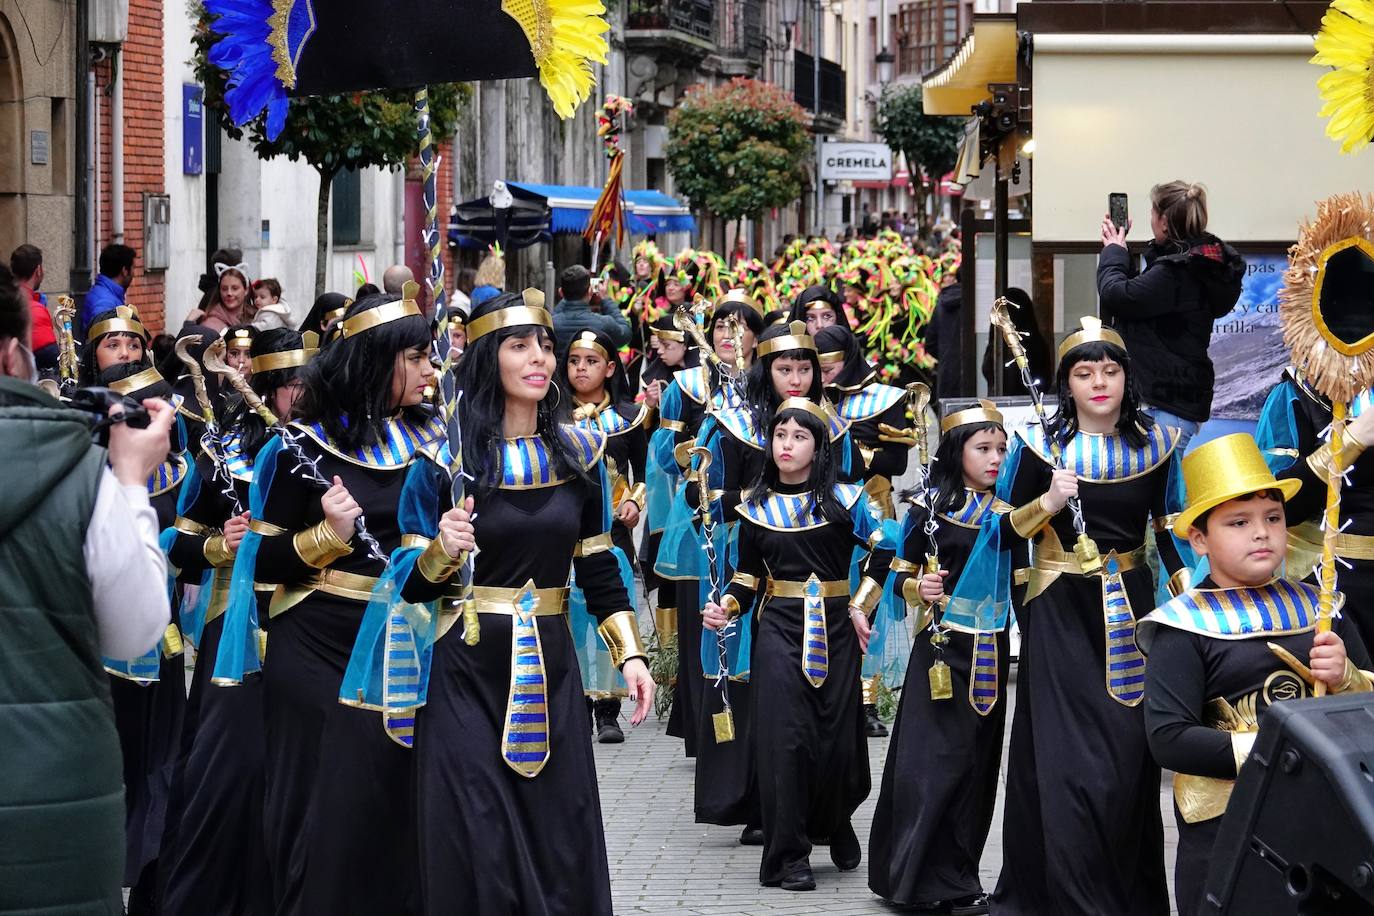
{"x":664,"y":863}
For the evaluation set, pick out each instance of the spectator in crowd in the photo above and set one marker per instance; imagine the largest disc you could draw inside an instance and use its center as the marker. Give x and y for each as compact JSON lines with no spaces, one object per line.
{"x":162,"y":348}
{"x":26,"y":263}
{"x":227,"y":257}
{"x":84,"y":577}
{"x":1165,"y":313}
{"x":464,"y":281}
{"x":490,"y":279}
{"x":395,"y":277}
{"x":230,"y":302}
{"x":1037,"y":350}
{"x":110,"y":288}
{"x":574,"y":312}
{"x":271,"y":313}
{"x":945,"y":337}
{"x":367,"y":289}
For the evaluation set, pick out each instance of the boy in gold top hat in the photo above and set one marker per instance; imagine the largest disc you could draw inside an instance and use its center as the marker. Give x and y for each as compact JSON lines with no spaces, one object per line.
{"x":1225,"y":650}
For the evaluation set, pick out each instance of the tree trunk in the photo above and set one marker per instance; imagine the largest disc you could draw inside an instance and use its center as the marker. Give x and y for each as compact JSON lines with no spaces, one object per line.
{"x":322,"y":229}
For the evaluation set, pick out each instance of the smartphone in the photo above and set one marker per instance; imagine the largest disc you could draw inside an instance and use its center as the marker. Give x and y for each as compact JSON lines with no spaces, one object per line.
{"x":1117,"y":210}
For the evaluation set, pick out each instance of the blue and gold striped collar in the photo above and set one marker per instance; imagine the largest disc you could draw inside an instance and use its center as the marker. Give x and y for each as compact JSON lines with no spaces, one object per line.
{"x":977,"y":505}
{"x":693,"y":382}
{"x":1276,"y":608}
{"x":1107,"y":459}
{"x":869,"y":402}
{"x":794,"y":511}
{"x":527,"y":464}
{"x":607,"y":418}
{"x":739,"y":421}
{"x":167,"y":475}
{"x":401,"y":442}
{"x":240,"y":465}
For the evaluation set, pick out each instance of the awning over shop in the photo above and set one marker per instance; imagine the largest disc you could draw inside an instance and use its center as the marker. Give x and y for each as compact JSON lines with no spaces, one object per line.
{"x":645,"y":211}
{"x":986,"y":55}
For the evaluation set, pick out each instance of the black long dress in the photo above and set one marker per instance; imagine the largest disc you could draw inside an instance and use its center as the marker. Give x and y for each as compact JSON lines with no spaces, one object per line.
{"x":148,"y":717}
{"x":808,"y":739}
{"x":1082,"y":805}
{"x":1290,"y":432}
{"x":939,"y":784}
{"x":1207,"y":679}
{"x":214,"y":863}
{"x":339,"y":820}
{"x":494,"y":840}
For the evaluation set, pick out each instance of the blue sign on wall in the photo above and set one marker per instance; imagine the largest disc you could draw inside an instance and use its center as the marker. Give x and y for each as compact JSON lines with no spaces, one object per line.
{"x":192,"y":129}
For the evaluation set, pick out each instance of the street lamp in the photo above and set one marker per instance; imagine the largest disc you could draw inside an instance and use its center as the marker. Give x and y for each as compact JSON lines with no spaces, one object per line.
{"x":789,"y":14}
{"x":884,"y":59}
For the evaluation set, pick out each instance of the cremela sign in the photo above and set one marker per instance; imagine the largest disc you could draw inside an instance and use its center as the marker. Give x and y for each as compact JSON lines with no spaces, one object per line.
{"x":856,"y":162}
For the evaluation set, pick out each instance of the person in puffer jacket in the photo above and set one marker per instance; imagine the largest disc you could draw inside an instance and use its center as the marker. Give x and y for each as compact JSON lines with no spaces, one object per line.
{"x":1165,"y":314}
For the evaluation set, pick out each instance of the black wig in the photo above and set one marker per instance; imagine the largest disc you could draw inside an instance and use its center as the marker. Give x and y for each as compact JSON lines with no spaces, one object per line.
{"x":253,"y":432}
{"x":348,"y":384}
{"x":654,"y":368}
{"x":857,"y":372}
{"x":317,"y":319}
{"x":813,"y":294}
{"x":483,"y":408}
{"x":947,"y":469}
{"x":821,"y":481}
{"x":1133,"y":422}
{"x":89,"y":372}
{"x":759,"y":391}
{"x":176,"y":436}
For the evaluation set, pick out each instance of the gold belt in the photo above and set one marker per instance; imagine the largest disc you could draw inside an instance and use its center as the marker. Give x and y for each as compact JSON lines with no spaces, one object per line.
{"x":1049,"y":562}
{"x":330,"y":581}
{"x":1309,"y":536}
{"x":551,"y":602}
{"x":782,"y":588}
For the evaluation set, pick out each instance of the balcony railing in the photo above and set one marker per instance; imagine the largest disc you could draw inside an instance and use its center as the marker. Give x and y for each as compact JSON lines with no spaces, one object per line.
{"x":832,"y":85}
{"x":687,"y":17}
{"x":739,"y":29}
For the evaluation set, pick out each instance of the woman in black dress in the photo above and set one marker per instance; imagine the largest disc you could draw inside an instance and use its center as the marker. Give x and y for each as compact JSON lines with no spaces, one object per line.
{"x":601,"y":403}
{"x":798,"y":532}
{"x":1082,"y":806}
{"x":509,"y":813}
{"x":940,"y":779}
{"x":338,"y":822}
{"x":214,"y":863}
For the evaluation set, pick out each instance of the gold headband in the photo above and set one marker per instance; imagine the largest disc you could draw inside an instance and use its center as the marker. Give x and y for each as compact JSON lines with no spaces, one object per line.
{"x":283,"y":359}
{"x":382,"y":314}
{"x":986,"y":412}
{"x":586,"y":340}
{"x":817,"y":304}
{"x":668,"y":335}
{"x":830,"y":359}
{"x":134,"y":382}
{"x":807,"y":405}
{"x":240,"y":334}
{"x":126,"y":321}
{"x":531,"y":312}
{"x":796,"y":339}
{"x":1093,"y":330}
{"x":742,"y":297}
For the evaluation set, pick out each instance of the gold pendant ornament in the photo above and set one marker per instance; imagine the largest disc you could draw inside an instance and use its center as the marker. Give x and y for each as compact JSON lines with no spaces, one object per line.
{"x":723,"y":723}
{"x":941,"y":682}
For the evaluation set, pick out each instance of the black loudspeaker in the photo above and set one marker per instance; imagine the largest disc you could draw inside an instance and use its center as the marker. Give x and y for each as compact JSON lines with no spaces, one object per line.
{"x":1298,"y":834}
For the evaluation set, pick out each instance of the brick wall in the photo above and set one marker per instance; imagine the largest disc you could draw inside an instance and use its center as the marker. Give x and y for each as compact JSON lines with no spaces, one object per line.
{"x":141,"y":62}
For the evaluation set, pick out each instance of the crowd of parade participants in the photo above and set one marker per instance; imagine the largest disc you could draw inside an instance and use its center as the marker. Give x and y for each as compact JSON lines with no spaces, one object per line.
{"x":421,"y":562}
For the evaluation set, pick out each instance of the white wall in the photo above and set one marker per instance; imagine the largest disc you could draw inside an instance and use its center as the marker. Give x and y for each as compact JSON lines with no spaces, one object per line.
{"x":187,"y":232}
{"x":1227,"y":113}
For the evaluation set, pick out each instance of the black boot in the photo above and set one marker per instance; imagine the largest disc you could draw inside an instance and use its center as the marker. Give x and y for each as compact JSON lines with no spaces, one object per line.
{"x":873,"y":726}
{"x":606,"y":712}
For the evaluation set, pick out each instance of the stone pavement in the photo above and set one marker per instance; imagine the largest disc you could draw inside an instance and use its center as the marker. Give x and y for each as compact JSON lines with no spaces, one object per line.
{"x":665,"y":864}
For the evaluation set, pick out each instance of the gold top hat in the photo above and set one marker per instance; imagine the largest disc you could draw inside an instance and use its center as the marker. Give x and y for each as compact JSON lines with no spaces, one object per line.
{"x":1092,"y":330}
{"x":986,"y":412}
{"x":1226,"y":468}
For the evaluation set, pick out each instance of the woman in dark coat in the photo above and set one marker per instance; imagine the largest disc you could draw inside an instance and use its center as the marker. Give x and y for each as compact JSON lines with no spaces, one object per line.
{"x":1165,"y":314}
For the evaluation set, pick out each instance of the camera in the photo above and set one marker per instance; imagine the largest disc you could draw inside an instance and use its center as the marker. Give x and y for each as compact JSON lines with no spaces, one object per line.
{"x":95,"y":402}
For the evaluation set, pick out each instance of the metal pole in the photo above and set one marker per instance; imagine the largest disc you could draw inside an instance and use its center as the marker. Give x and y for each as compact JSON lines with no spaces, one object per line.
{"x":818,"y":220}
{"x":79,"y":277}
{"x":999,"y":265}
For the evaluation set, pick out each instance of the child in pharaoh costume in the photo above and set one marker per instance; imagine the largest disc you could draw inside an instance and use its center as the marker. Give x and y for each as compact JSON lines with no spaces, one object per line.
{"x":1229,"y":648}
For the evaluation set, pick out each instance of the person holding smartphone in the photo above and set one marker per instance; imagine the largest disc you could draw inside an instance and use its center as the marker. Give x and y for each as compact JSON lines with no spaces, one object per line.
{"x":1165,"y":312}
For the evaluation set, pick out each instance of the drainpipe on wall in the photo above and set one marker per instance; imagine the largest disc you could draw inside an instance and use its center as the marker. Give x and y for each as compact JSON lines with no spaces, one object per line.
{"x":117,"y":147}
{"x":83,"y":89}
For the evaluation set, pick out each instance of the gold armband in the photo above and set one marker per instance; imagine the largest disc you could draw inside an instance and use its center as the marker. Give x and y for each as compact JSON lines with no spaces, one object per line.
{"x":435,"y":564}
{"x":318,"y":545}
{"x":1179,"y":581}
{"x":911,"y":592}
{"x":1027,"y":520}
{"x":676,"y":426}
{"x":217,"y":552}
{"x":186,"y":526}
{"x":1241,"y":744}
{"x":1355,"y":680}
{"x":265,"y":529}
{"x":1320,"y":460}
{"x":867,"y":596}
{"x":620,"y":633}
{"x":597,"y":543}
{"x":415,"y":540}
{"x":1164,"y":524}
{"x":730,"y":604}
{"x":906,"y":566}
{"x":636,"y":495}
{"x":745,"y":580}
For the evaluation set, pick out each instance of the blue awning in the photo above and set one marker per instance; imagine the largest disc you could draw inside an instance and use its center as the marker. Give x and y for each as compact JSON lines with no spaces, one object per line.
{"x":645,"y":211}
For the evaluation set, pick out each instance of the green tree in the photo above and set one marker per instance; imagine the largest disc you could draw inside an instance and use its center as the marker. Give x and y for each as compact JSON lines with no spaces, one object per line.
{"x":930,"y":142}
{"x":332,"y":132}
{"x":737,"y":149}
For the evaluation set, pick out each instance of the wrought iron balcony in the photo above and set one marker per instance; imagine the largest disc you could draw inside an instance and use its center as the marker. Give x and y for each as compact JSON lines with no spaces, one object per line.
{"x":739,"y":30}
{"x":684,"y":23}
{"x":832,"y":104}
